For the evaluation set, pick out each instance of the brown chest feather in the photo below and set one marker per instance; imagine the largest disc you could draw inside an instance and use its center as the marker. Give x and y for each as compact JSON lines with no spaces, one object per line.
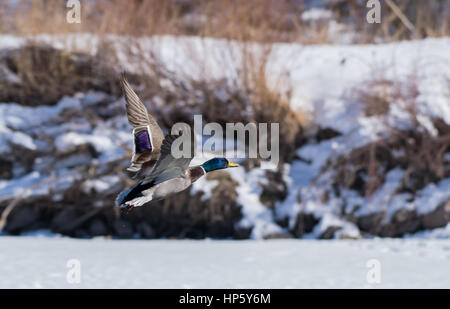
{"x":196,"y":172}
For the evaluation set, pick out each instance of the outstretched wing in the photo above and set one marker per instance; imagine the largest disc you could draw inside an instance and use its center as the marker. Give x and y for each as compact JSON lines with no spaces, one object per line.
{"x":168,"y":167}
{"x":137,"y":113}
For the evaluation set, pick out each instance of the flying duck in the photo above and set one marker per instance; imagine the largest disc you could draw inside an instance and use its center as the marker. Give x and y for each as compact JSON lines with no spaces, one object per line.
{"x":168,"y":176}
{"x":147,"y":135}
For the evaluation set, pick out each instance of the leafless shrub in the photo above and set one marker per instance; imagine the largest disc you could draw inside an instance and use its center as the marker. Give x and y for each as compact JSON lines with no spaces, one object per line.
{"x":46,"y":74}
{"x":420,"y":154}
{"x":420,"y":151}
{"x":380,"y":93}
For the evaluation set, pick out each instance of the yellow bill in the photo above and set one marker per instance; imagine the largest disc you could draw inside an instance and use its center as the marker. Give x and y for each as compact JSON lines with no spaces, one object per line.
{"x":231,"y":164}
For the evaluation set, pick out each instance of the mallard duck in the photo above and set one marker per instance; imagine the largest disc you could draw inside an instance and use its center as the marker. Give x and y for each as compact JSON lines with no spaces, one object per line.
{"x":147,"y":135}
{"x":168,"y":176}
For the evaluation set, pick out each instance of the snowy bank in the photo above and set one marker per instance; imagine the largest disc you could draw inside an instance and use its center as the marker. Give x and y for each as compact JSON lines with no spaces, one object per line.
{"x":77,"y":147}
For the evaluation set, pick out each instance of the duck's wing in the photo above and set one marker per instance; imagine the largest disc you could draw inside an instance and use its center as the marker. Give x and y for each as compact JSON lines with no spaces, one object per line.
{"x":137,"y":113}
{"x":147,"y":135}
{"x":169,"y":167}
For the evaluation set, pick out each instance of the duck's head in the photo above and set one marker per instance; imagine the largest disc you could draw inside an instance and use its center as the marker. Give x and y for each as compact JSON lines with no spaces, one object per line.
{"x":217,"y":164}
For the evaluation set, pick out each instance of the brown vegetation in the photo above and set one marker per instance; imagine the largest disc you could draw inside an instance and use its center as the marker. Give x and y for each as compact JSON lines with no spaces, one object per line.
{"x":250,"y":20}
{"x":46,"y":74}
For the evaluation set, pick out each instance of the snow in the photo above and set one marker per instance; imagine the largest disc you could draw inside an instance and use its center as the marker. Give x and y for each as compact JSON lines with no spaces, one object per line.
{"x":103,"y":184}
{"x":18,"y":187}
{"x":205,"y":186}
{"x":347,"y":229}
{"x":104,"y":138}
{"x":255,"y":214}
{"x":15,"y":117}
{"x":439,"y":233}
{"x":7,"y":75}
{"x":35,"y":184}
{"x":8,"y":137}
{"x":316,"y":14}
{"x":18,"y":117}
{"x":301,"y":174}
{"x":101,"y":142}
{"x":130,"y":264}
{"x":432,"y":196}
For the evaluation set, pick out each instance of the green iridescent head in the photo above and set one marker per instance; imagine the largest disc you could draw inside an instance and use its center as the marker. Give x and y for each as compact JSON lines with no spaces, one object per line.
{"x":217,"y":164}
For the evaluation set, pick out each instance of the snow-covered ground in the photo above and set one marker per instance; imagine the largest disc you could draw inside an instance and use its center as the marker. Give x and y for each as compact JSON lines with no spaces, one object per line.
{"x":42,"y":262}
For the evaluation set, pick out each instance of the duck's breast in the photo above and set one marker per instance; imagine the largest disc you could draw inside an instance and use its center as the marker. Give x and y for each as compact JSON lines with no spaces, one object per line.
{"x":170,"y":187}
{"x":195,"y":172}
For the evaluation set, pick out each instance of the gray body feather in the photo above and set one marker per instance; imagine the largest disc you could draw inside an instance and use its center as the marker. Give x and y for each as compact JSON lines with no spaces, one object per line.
{"x":169,"y":175}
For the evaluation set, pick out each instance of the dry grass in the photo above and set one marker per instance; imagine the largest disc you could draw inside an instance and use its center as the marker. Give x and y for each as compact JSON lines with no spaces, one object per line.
{"x":250,"y":20}
{"x":46,"y":74}
{"x":377,"y":95}
{"x":400,"y":19}
{"x":263,"y":20}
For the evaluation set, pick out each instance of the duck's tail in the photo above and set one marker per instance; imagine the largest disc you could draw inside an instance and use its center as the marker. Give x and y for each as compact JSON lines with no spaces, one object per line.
{"x":122,"y":197}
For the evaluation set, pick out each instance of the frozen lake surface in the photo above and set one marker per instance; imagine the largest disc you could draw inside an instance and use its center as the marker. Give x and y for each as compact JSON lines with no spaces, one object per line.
{"x":42,"y":262}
